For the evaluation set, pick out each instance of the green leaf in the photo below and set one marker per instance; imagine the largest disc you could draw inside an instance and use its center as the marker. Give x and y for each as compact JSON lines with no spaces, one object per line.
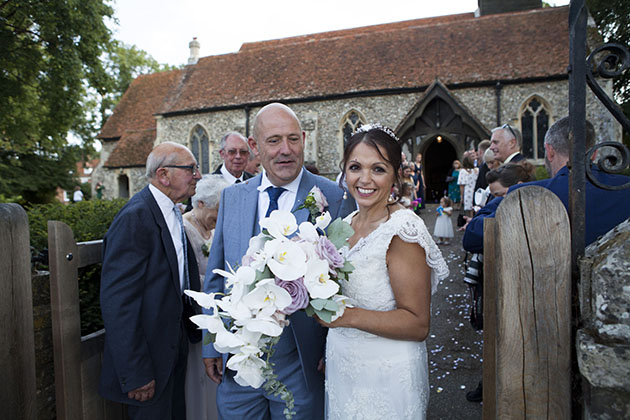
{"x":318,"y":304}
{"x":325,"y":315}
{"x":338,"y":232}
{"x":331,"y":305}
{"x":347,"y":267}
{"x":309,"y":310}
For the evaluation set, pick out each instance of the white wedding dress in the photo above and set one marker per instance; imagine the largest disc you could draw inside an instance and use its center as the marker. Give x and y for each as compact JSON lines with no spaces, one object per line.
{"x":372,"y":377}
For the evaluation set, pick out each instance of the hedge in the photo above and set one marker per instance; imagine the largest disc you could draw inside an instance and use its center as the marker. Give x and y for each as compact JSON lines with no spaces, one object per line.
{"x":89,"y":220}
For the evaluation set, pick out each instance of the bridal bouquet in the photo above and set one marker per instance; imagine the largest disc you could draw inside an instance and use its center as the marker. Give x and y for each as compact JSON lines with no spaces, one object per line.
{"x":286,"y":268}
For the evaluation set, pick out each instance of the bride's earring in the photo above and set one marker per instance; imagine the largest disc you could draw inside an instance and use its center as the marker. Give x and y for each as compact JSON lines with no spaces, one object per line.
{"x":345,"y":195}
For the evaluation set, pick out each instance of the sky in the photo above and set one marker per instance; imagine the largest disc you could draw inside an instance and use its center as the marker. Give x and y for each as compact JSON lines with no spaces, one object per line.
{"x":163,"y":28}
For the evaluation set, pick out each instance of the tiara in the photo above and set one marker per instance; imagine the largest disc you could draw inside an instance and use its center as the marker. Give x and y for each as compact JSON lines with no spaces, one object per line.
{"x":376,"y":126}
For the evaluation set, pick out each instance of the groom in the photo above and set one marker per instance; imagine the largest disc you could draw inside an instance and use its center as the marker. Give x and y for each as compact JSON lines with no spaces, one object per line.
{"x":279,"y":141}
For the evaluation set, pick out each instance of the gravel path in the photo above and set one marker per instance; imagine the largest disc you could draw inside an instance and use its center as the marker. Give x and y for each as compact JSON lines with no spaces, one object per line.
{"x":455,"y":349}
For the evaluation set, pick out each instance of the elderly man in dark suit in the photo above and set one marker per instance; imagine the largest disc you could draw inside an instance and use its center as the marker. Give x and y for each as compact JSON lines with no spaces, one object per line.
{"x":235,"y":154}
{"x":147,"y":264}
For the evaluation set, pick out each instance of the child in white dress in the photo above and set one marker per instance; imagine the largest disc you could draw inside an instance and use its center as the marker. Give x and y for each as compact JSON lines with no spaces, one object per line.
{"x":443,"y":231}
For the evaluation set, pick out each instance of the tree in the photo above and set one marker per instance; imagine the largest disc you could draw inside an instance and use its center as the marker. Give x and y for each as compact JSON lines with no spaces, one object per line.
{"x":60,"y":73}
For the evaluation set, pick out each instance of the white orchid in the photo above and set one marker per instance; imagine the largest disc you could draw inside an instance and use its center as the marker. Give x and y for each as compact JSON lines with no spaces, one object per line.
{"x":238,"y":281}
{"x":268,"y":295}
{"x":323,"y":220}
{"x":317,"y":280}
{"x":308,"y":232}
{"x":248,"y":368}
{"x":343,"y":302}
{"x":225,"y":341}
{"x":254,"y":257}
{"x":235,"y":309}
{"x":280,"y":224}
{"x":285,"y":259}
{"x":205,"y":300}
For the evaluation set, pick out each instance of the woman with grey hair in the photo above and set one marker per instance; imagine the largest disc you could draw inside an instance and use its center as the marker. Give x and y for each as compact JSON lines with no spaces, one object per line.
{"x":199,"y":224}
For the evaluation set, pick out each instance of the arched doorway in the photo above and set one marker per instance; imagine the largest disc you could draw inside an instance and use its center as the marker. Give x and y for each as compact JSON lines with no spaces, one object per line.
{"x":123,"y":186}
{"x":438,"y":161}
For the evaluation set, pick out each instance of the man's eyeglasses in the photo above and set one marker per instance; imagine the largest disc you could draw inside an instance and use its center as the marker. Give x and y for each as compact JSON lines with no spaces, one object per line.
{"x":194,"y":169}
{"x":234,"y":152}
{"x":511,"y":131}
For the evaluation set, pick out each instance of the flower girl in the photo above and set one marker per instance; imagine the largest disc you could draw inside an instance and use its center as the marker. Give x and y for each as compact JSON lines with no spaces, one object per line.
{"x":443,"y":231}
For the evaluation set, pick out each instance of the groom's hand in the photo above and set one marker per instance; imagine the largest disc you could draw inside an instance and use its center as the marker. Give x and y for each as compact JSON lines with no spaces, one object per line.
{"x":214,"y":368}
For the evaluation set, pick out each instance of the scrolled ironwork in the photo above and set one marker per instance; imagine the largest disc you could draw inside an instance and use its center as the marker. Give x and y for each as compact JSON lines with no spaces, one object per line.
{"x":609,"y":163}
{"x":608,"y":66}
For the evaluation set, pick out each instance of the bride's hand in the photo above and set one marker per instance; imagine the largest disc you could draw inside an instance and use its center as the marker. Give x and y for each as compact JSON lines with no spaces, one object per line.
{"x":342,"y":321}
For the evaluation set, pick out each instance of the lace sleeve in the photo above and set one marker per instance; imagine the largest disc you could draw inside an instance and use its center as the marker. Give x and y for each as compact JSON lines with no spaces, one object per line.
{"x":413,"y":230}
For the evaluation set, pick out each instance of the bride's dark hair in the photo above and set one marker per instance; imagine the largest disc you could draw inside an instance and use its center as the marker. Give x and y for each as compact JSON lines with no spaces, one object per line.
{"x":382,"y":141}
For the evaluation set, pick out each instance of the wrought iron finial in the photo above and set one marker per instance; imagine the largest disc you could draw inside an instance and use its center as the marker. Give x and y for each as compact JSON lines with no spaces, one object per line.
{"x":608,"y":61}
{"x":609,"y":163}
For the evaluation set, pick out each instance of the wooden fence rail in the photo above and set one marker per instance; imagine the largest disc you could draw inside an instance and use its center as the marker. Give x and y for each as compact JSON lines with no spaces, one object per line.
{"x":17,"y":350}
{"x":527,"y":308}
{"x":77,"y":359}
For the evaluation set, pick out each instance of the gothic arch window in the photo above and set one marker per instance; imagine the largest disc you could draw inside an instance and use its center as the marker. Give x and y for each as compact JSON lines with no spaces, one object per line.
{"x":535,"y":119}
{"x":350,"y":123}
{"x":200,"y":148}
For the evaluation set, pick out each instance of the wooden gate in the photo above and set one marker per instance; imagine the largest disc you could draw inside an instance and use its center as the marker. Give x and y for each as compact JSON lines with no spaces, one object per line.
{"x":527,"y":308}
{"x":17,"y":351}
{"x":77,"y":359}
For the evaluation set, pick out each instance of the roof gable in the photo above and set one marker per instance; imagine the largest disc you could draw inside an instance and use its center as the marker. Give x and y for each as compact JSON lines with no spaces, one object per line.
{"x":142,"y":99}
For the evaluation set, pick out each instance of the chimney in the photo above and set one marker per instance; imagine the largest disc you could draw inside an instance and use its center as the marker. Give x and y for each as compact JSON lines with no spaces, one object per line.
{"x":490,"y":7}
{"x":194,"y":51}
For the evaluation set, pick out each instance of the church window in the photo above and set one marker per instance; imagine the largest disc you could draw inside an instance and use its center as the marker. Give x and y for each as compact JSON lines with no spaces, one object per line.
{"x":200,"y":149}
{"x":535,"y":117}
{"x":350,"y":124}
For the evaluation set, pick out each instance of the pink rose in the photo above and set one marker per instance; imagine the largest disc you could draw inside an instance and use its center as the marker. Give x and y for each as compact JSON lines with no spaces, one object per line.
{"x":298,"y":292}
{"x":328,"y":251}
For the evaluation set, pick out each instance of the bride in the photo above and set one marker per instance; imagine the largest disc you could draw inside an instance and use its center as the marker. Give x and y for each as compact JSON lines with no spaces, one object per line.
{"x":376,"y":357}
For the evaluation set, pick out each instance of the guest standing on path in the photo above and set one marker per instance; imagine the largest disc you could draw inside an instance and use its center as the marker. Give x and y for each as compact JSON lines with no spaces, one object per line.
{"x":199,"y":224}
{"x":146,"y":268}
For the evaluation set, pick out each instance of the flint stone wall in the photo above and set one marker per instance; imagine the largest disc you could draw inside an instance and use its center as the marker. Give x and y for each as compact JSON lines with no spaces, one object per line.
{"x":603,"y":344}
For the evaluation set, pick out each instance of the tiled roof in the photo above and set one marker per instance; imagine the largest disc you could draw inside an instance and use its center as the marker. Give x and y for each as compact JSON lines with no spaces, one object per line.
{"x":137,"y":107}
{"x":458,"y":49}
{"x":132,"y":149}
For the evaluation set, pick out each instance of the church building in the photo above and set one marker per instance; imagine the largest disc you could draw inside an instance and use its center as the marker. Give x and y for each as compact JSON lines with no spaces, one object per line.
{"x":441,"y":83}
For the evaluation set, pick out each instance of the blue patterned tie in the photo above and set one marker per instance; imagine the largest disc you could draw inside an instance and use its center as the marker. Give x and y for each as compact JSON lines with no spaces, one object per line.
{"x":178,"y":214}
{"x":274,"y":194}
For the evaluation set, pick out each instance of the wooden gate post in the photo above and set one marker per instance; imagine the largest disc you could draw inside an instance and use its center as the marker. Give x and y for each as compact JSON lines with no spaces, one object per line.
{"x":529,"y":332}
{"x":66,"y":323}
{"x":17,"y":350}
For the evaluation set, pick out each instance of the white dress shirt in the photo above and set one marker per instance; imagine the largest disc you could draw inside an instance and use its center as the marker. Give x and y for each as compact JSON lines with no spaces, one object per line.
{"x":166,"y":207}
{"x":228,"y":176}
{"x":509,"y":158}
{"x":286,"y":201}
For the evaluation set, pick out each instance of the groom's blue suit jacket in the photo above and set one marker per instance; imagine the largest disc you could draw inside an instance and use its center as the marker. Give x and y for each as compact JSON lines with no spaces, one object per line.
{"x":236,"y":224}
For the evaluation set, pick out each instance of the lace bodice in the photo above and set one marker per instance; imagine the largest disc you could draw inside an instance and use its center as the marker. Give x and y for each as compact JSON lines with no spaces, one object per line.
{"x":369,"y":282}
